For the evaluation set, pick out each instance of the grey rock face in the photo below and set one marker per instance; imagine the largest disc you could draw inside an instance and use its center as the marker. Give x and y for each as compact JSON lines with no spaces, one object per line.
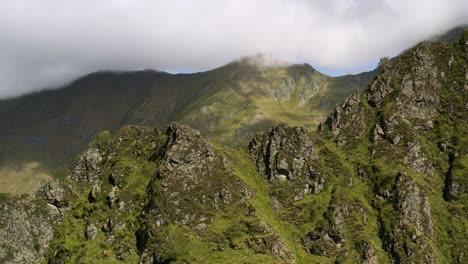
{"x":414,"y":223}
{"x":91,"y":232}
{"x":290,"y":156}
{"x":413,"y":97}
{"x":387,"y":130}
{"x":191,"y":167}
{"x":284,"y":153}
{"x":29,"y":223}
{"x":368,"y":254}
{"x":414,"y":206}
{"x":416,"y":158}
{"x":26,"y":228}
{"x":274,"y":244}
{"x":415,"y":87}
{"x":412,"y":115}
{"x":95,"y":191}
{"x":327,"y":240}
{"x":347,"y":123}
{"x":192,"y":184}
{"x":87,"y":167}
{"x":54,"y":193}
{"x":416,"y":94}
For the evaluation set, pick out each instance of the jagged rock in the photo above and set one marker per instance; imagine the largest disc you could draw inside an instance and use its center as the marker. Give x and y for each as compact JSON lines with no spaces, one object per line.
{"x":26,"y":229}
{"x":112,"y":196}
{"x":284,"y":153}
{"x":455,"y":182}
{"x":273,"y":244}
{"x":108,"y":225}
{"x":413,"y":205}
{"x":91,"y":232}
{"x":86,"y":169}
{"x":326,"y":241}
{"x":416,"y":159}
{"x":378,"y":90}
{"x":386,"y":129}
{"x":110,"y":239}
{"x":292,"y":155}
{"x":279,"y":249}
{"x":94,"y":193}
{"x":452,"y":189}
{"x":368,"y":254}
{"x":442,"y":146}
{"x":191,"y":167}
{"x":416,"y":93}
{"x":409,"y":239}
{"x":347,"y":123}
{"x":54,"y":194}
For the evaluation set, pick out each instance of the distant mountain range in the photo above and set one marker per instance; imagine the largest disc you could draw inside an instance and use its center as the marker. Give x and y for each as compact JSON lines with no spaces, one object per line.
{"x":229,"y":104}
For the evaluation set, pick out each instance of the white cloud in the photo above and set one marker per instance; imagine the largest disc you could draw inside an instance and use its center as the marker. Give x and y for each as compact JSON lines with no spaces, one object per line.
{"x":46,"y":42}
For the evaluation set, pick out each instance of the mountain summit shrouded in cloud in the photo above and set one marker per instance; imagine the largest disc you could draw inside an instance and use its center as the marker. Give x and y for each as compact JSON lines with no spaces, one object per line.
{"x":46,"y":43}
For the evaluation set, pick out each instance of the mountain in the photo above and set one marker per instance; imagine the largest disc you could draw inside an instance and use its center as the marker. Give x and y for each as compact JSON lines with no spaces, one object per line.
{"x":382,"y":180}
{"x":47,"y":129}
{"x":451,"y":35}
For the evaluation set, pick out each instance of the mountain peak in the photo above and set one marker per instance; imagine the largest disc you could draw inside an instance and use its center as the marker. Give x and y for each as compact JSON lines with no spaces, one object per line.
{"x":262,"y":60}
{"x":267,"y":61}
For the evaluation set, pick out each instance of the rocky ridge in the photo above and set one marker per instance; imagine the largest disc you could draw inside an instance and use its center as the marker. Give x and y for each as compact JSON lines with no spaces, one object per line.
{"x":383,"y":180}
{"x":411,"y":121}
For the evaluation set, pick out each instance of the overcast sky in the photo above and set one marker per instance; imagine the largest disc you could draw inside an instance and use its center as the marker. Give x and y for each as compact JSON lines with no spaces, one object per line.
{"x":44,"y":43}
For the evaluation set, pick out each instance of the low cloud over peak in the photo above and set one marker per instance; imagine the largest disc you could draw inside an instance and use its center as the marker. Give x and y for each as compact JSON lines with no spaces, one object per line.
{"x":49,"y":42}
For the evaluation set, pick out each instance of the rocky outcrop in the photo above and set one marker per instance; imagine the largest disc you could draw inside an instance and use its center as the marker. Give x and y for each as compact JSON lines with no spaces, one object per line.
{"x":91,"y":232}
{"x":348,"y":122}
{"x":55,"y":195}
{"x":284,"y":153}
{"x":401,"y":95}
{"x":368,"y":254}
{"x":87,"y":168}
{"x":410,"y":236}
{"x":327,"y":240}
{"x":414,"y":90}
{"x":192,"y":183}
{"x":456,"y":181}
{"x":289,"y":159}
{"x":31,"y":222}
{"x":411,"y":117}
{"x":416,"y":158}
{"x":271,"y":244}
{"x":26,"y":228}
{"x":152,"y":181}
{"x":192,"y":180}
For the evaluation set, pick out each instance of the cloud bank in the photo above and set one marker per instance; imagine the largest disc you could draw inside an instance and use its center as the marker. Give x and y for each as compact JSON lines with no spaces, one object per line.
{"x":46,"y":43}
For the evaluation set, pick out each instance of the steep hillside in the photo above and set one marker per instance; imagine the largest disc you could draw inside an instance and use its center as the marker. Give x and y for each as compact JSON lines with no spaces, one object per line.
{"x":407,"y":136}
{"x":383,"y":180}
{"x":229,"y":104}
